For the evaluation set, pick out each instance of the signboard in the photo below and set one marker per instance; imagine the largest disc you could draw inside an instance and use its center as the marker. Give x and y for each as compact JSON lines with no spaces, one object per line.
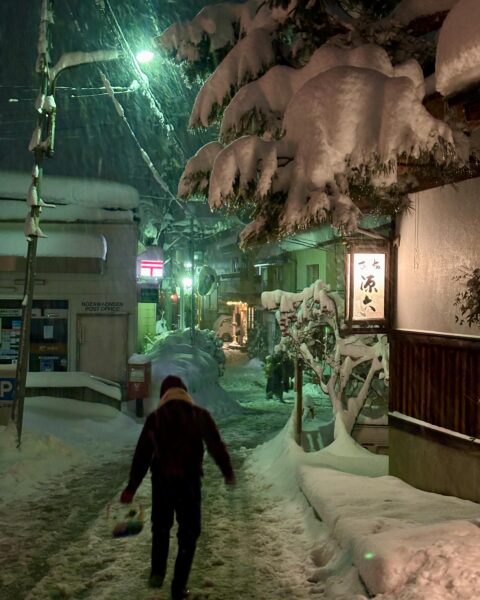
{"x":7,"y":388}
{"x":151,"y":268}
{"x":103,"y":307}
{"x":149,"y":295}
{"x":368,"y":286}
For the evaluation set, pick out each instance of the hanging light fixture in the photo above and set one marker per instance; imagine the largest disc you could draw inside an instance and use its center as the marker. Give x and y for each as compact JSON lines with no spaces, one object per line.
{"x":367,"y":286}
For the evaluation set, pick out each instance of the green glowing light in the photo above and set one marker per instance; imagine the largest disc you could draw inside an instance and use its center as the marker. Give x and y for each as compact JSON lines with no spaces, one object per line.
{"x":369,"y":555}
{"x":144,"y":56}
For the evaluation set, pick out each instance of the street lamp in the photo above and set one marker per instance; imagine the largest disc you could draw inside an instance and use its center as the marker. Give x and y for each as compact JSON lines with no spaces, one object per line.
{"x":367,"y":286}
{"x":144,"y":56}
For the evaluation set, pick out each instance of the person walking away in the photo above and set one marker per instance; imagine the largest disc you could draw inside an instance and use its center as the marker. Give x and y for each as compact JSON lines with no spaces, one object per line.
{"x":172,"y":445}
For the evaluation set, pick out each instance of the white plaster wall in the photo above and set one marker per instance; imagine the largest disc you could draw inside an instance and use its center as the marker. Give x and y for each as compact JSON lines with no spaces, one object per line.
{"x":439,"y":237}
{"x":116,"y":284}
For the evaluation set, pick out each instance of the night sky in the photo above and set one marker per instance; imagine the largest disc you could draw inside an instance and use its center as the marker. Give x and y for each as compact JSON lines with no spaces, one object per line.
{"x":91,"y":139}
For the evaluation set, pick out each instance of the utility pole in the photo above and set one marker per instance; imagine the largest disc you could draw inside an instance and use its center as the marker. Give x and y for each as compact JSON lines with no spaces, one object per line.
{"x":45,"y":126}
{"x":42,"y":145}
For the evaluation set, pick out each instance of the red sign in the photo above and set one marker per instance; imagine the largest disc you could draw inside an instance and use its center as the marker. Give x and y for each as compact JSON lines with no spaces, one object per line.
{"x":151,"y":268}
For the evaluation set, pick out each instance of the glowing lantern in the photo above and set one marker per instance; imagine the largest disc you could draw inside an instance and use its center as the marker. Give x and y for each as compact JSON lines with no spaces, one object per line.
{"x":367,"y":285}
{"x":150,"y":263}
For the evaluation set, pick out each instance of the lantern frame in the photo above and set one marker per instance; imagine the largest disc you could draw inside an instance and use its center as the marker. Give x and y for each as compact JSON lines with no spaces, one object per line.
{"x":352,"y":323}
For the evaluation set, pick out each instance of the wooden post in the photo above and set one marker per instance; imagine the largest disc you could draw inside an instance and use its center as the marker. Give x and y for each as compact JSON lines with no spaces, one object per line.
{"x":299,"y":400}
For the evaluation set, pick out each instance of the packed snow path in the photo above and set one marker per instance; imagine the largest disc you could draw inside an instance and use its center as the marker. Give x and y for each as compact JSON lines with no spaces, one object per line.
{"x":60,"y":545}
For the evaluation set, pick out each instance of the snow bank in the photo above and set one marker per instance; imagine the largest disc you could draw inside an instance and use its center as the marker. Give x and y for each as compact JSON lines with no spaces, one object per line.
{"x":174,"y":355}
{"x":406,"y":544}
{"x":59,"y":435}
{"x":401,"y":537}
{"x":458,"y":49}
{"x":59,"y":379}
{"x":41,"y":457}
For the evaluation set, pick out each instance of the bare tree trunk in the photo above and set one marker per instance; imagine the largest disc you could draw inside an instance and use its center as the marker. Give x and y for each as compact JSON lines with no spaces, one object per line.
{"x":299,"y":400}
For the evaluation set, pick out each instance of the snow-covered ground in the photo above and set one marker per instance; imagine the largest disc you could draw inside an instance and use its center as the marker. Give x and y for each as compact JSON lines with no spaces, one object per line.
{"x":260,"y":540}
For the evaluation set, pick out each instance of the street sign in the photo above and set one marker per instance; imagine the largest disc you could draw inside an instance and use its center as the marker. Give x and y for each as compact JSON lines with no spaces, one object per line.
{"x":7,"y":389}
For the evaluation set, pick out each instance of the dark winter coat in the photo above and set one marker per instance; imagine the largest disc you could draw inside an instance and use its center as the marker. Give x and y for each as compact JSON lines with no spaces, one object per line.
{"x":172,"y":441}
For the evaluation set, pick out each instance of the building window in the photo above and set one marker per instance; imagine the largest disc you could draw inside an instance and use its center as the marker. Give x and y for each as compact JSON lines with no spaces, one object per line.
{"x":235,"y":264}
{"x":313,"y":273}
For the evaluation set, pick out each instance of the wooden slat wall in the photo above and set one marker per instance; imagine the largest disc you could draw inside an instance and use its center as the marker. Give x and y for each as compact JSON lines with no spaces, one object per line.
{"x":436,"y":379}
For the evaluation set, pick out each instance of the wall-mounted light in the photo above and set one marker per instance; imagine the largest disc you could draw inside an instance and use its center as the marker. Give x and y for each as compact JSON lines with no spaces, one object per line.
{"x":367,"y":286}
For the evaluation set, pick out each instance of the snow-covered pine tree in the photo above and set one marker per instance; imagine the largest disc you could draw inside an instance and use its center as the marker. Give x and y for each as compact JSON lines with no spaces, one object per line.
{"x":318,"y":103}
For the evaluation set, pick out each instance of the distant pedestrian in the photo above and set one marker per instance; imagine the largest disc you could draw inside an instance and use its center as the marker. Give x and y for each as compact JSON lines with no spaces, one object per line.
{"x":172,"y":445}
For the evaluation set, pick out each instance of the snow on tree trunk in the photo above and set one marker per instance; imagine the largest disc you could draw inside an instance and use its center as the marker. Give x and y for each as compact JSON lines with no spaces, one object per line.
{"x":307,"y":319}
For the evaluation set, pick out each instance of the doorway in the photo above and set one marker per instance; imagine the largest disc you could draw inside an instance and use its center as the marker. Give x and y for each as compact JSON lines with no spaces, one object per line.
{"x":102,"y":345}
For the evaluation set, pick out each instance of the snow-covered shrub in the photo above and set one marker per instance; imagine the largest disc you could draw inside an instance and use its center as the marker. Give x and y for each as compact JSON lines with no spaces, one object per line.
{"x":344,"y":366}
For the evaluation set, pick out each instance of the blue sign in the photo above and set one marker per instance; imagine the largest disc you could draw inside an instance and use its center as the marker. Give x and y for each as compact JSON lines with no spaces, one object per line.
{"x":7,"y":389}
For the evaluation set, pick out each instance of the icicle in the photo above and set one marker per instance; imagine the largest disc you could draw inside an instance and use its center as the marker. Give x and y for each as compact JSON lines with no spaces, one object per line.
{"x":35,"y":139}
{"x":111,"y":93}
{"x":49,"y":104}
{"x":32,"y":227}
{"x":32,"y":196}
{"x":39,"y":103}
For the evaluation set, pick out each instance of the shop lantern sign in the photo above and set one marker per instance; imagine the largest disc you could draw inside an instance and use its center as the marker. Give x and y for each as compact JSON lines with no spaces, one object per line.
{"x":150,"y":263}
{"x":367,"y":286}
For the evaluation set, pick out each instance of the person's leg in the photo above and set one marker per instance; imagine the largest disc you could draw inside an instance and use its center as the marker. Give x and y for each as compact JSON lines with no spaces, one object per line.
{"x":188,"y":511}
{"x":162,"y":521}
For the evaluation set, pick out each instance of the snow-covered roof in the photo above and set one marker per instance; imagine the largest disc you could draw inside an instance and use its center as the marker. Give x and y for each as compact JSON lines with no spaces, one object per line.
{"x":16,"y":210}
{"x":458,"y":49}
{"x":57,"y":244}
{"x":91,"y":193}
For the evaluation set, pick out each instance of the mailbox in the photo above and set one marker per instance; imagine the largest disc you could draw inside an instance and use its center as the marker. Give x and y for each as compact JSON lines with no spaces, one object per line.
{"x":7,"y":390}
{"x":139,"y":379}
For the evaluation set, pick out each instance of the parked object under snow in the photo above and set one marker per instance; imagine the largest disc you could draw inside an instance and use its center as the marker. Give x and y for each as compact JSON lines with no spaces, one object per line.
{"x":458,"y":50}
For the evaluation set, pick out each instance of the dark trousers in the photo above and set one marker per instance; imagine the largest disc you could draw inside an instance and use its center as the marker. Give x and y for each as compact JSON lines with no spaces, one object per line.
{"x":179,"y":496}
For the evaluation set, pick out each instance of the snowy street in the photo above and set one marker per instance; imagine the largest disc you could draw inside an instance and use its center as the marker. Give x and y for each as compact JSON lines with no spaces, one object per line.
{"x":58,"y":544}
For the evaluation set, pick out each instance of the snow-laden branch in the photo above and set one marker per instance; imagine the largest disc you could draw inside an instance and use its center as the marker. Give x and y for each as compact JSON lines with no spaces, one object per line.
{"x":250,"y":57}
{"x":345,"y":125}
{"x":223,"y":24}
{"x":196,"y":175}
{"x":261,"y":104}
{"x":304,"y":318}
